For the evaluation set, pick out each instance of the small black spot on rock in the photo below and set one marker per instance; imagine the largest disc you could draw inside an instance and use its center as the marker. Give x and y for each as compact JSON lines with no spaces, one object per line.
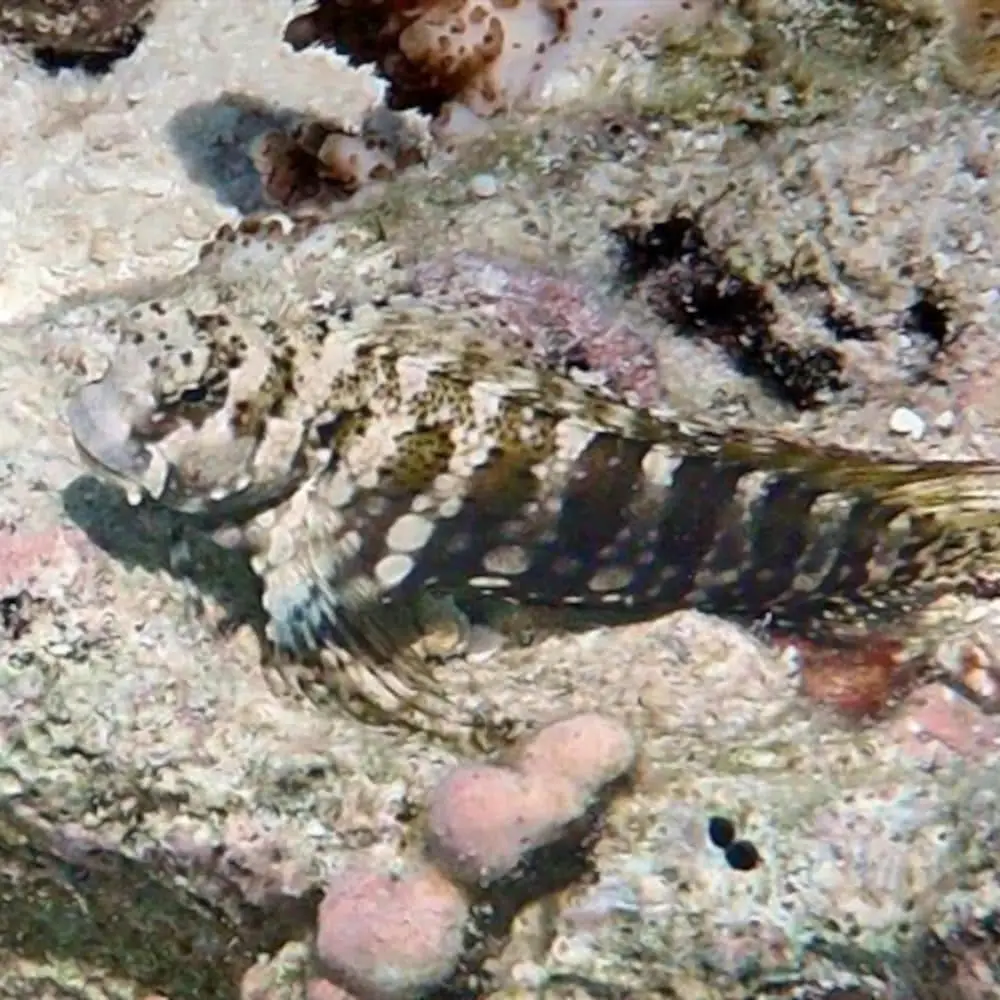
{"x":721,"y":831}
{"x":742,"y":856}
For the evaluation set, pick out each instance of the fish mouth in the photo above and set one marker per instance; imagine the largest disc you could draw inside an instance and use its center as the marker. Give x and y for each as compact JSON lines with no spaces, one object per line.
{"x":108,"y":448}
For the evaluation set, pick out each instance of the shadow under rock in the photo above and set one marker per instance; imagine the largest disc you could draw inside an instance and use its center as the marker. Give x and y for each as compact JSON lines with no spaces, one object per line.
{"x":163,"y":920}
{"x":140,"y":538}
{"x":214,"y":138}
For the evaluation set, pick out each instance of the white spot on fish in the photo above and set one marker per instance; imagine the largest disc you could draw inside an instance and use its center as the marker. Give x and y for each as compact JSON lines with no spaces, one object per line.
{"x":394,"y":569}
{"x":409,"y":533}
{"x":510,"y":560}
{"x":450,"y":507}
{"x":338,"y":490}
{"x":610,"y":578}
{"x":413,"y":376}
{"x":489,"y":582}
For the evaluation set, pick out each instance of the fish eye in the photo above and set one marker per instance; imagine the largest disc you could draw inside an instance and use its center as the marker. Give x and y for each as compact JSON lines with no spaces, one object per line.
{"x":195,"y":394}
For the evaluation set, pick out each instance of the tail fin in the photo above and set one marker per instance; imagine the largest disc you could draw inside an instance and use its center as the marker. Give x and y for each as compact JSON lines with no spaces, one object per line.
{"x":884,"y":536}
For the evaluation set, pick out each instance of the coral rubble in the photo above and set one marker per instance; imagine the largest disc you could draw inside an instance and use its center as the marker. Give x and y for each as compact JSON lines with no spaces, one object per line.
{"x":484,"y":55}
{"x":319,"y":162}
{"x":461,"y":61}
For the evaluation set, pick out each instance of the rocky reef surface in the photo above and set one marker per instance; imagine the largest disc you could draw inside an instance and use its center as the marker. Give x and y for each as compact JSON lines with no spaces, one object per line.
{"x":788,"y":219}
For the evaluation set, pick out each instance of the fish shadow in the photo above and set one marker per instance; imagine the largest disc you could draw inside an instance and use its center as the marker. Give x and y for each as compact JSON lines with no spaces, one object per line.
{"x":140,"y":538}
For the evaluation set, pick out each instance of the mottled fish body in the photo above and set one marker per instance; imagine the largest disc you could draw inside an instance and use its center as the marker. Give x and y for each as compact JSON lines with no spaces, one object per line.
{"x":386,"y":471}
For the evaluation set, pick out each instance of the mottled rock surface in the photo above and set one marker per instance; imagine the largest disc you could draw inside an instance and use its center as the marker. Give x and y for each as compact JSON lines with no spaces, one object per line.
{"x":166,"y":818}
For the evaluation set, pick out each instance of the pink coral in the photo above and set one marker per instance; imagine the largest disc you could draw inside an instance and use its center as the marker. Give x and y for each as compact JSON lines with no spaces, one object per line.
{"x":384,"y":937}
{"x":557,"y":318}
{"x":29,"y":559}
{"x":940,"y":715}
{"x":589,"y":750}
{"x":482,"y":820}
{"x":323,"y":989}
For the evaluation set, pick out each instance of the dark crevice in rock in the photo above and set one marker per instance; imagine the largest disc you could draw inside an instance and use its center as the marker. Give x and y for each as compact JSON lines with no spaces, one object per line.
{"x":181,"y":933}
{"x":16,"y":611}
{"x":845,"y":327}
{"x":928,"y":317}
{"x":689,"y":285}
{"x":93,"y":63}
{"x":87,"y":35}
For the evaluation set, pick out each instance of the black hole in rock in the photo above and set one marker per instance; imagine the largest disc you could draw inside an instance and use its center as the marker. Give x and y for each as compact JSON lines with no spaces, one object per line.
{"x":929,"y":318}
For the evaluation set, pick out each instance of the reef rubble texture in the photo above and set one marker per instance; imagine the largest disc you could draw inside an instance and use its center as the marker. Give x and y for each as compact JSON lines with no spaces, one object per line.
{"x":171,"y":827}
{"x":461,"y":61}
{"x":483,"y":55}
{"x":91,"y":34}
